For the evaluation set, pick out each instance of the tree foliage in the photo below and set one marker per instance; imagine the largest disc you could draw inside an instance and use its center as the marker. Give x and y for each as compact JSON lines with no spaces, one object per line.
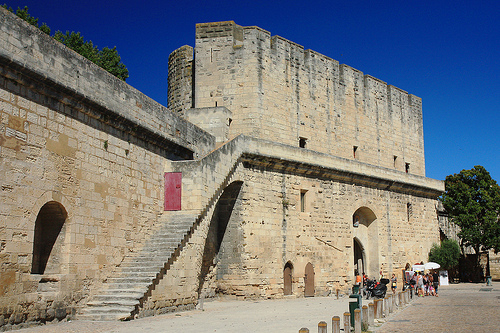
{"x":447,"y":254}
{"x":107,"y":58}
{"x":472,"y":199}
{"x":23,"y":13}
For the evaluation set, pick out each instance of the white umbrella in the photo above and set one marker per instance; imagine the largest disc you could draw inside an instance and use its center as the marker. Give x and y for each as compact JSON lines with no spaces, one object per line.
{"x":432,"y":265}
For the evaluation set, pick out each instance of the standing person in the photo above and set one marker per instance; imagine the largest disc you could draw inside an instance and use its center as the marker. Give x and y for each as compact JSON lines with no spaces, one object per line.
{"x":358,"y":278}
{"x":394,"y":283}
{"x":435,"y":282}
{"x":426,"y":284}
{"x":420,"y":284}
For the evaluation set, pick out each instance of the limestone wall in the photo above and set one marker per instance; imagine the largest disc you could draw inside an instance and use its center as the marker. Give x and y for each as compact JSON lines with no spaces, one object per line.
{"x":29,"y":50}
{"x":268,"y":228}
{"x":278,"y":91}
{"x":76,"y":137}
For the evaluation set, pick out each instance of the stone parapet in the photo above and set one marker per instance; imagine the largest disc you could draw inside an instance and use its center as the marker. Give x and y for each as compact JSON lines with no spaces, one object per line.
{"x":37,"y":55}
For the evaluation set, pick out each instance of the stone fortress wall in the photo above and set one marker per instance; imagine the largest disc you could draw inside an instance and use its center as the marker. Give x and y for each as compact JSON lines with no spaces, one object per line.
{"x":84,"y":152}
{"x":278,"y":91}
{"x":78,"y":141}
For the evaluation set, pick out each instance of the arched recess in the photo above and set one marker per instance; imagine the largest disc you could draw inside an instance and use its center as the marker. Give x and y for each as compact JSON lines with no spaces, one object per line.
{"x":359,"y":256}
{"x":287,"y":279}
{"x":309,"y":280}
{"x":217,"y":229}
{"x":48,"y":225}
{"x":365,"y":239}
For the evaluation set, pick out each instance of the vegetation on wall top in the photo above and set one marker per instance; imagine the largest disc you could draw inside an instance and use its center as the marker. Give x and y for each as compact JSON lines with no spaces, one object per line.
{"x":106,"y":58}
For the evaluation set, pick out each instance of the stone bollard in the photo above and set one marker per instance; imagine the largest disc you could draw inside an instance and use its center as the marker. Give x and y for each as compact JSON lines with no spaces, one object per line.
{"x":380,"y":308}
{"x":364,"y":316}
{"x":371,"y":314}
{"x":399,"y":300}
{"x":375,"y":308}
{"x":336,"y":324}
{"x":347,"y":322}
{"x":357,"y":321}
{"x":322,"y":327}
{"x":393,"y":303}
{"x":304,"y":330}
{"x":386,"y":307}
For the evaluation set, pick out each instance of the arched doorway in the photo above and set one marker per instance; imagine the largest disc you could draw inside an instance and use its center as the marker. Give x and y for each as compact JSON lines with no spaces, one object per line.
{"x":287,"y":279}
{"x":365,"y":242}
{"x":359,"y":261}
{"x":217,"y":229}
{"x":309,"y":280}
{"x":48,"y":225}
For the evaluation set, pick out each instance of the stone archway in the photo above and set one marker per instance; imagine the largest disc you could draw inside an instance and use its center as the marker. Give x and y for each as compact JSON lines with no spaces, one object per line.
{"x":287,"y":279}
{"x":365,"y":241}
{"x":309,"y":280}
{"x":48,"y":225}
{"x":359,"y":256}
{"x":217,"y":229}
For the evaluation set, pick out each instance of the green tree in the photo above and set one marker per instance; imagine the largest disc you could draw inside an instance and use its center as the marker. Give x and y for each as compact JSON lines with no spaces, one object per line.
{"x":23,"y":13}
{"x":107,"y":58}
{"x":472,"y":200}
{"x":447,"y":254}
{"x":110,"y":60}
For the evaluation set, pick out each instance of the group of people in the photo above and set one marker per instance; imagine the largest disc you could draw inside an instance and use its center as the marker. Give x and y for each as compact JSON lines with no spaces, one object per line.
{"x":425,"y":284}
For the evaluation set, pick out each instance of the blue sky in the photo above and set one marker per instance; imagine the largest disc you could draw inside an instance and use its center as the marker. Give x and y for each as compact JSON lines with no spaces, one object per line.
{"x":446,"y":52}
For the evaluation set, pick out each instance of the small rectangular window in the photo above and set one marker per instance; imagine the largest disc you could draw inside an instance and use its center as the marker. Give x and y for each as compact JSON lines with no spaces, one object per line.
{"x":302,"y":142}
{"x":303,"y":200}
{"x":395,"y":162}
{"x":354,"y":151}
{"x":407,"y":167}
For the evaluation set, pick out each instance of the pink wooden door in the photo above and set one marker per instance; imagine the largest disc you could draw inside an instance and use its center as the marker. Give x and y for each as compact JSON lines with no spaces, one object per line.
{"x":173,"y":190}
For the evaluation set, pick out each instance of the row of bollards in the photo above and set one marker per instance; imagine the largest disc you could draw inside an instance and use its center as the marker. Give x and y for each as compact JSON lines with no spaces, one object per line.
{"x":366,"y":316}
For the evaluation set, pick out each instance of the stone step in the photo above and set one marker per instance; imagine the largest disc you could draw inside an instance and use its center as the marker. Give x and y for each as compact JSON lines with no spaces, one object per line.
{"x":129,"y":285}
{"x":113,"y":302}
{"x":129,"y":279}
{"x":119,"y":297}
{"x":151,"y":270}
{"x":106,"y":313}
{"x":137,"y":292}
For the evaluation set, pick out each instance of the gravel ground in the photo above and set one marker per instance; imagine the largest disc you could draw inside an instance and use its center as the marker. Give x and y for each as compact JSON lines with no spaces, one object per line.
{"x":464,"y":307}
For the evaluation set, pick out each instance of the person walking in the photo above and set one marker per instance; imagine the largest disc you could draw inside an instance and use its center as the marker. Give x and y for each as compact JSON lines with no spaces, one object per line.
{"x":435,"y":282}
{"x":394,"y":283}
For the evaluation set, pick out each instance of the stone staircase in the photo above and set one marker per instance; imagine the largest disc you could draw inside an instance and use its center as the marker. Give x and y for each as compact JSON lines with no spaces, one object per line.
{"x":131,"y":284}
{"x":123,"y":292}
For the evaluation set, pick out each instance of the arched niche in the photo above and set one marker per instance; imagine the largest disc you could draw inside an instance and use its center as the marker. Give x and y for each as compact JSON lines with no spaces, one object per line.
{"x":217,"y":229}
{"x":48,"y":225}
{"x":365,"y":241}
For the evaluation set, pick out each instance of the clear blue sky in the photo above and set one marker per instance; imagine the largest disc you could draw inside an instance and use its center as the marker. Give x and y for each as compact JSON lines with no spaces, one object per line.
{"x":446,"y":52}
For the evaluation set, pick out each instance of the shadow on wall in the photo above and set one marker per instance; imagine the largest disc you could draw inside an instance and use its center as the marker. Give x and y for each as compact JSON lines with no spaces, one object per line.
{"x":217,"y":229}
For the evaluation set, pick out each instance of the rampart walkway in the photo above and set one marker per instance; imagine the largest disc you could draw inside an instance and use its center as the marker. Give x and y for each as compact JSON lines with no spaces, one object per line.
{"x":460,"y":308}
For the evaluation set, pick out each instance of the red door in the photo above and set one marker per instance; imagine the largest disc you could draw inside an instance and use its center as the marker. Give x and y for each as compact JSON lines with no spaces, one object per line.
{"x":173,"y":190}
